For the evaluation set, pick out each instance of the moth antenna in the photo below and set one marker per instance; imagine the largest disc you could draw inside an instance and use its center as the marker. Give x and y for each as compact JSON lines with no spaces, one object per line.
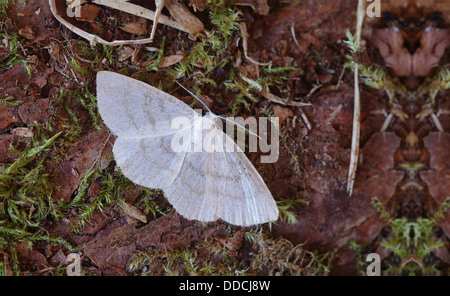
{"x":197,"y":98}
{"x":236,"y":124}
{"x":219,"y":116}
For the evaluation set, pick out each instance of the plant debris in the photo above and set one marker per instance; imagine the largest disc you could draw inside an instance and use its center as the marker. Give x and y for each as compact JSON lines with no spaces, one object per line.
{"x":61,"y":192}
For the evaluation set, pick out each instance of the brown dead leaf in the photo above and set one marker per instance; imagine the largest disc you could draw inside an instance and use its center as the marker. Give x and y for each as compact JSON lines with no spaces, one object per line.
{"x":437,"y":143}
{"x":282,"y":113}
{"x":379,"y":150}
{"x":434,"y":42}
{"x":7,"y":116}
{"x":87,"y":13}
{"x":134,"y":213}
{"x":125,"y":53}
{"x":197,"y":5}
{"x":438,"y":177}
{"x":233,"y":244}
{"x":30,"y":256}
{"x":37,"y":15}
{"x":186,"y":19}
{"x":22,"y":132}
{"x":438,"y":184}
{"x":260,"y":6}
{"x":250,"y":71}
{"x":27,"y":32}
{"x":138,"y":26}
{"x":34,"y":111}
{"x":170,"y":60}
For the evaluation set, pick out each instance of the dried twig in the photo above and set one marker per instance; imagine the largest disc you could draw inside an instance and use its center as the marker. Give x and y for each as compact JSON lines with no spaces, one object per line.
{"x":356,"y":108}
{"x":243,"y":29}
{"x":136,"y":10}
{"x":275,"y":99}
{"x":159,"y":7}
{"x":90,"y":37}
{"x":185,"y":18}
{"x":293,"y":34}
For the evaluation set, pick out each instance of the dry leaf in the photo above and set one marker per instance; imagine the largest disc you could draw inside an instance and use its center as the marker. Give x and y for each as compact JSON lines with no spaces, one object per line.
{"x":260,"y":6}
{"x":282,"y":113}
{"x":133,"y":212}
{"x":233,"y":244}
{"x":197,"y":5}
{"x":120,"y":5}
{"x":125,"y":53}
{"x":87,"y":13}
{"x":186,"y":19}
{"x":138,"y":27}
{"x":27,"y":32}
{"x":170,"y":60}
{"x":75,"y":173}
{"x":250,"y":71}
{"x":23,"y":132}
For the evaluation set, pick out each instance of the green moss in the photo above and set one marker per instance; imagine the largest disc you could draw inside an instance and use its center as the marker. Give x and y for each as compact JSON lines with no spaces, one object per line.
{"x":113,"y":185}
{"x":374,"y":77}
{"x":433,"y":85}
{"x":4,"y":4}
{"x":25,"y":201}
{"x":77,"y":66}
{"x":174,"y":263}
{"x":10,"y":101}
{"x":14,"y":57}
{"x":286,"y":208}
{"x":89,"y":102}
{"x":73,"y":101}
{"x":411,"y":238}
{"x":280,"y":257}
{"x":149,"y":203}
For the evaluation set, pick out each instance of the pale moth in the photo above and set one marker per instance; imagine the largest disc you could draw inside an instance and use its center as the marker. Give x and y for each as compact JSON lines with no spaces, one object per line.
{"x":203,"y":186}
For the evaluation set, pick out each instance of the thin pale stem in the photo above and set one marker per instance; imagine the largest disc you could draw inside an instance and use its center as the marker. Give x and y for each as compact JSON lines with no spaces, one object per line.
{"x":356,"y":107}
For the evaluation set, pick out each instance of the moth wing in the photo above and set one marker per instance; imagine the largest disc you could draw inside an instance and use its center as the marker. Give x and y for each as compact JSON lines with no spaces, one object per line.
{"x":149,"y":162}
{"x":133,"y":109}
{"x":187,"y":193}
{"x":235,"y":190}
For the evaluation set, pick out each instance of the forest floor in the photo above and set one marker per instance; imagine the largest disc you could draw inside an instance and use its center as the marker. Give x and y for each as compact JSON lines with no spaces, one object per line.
{"x":62,"y":193}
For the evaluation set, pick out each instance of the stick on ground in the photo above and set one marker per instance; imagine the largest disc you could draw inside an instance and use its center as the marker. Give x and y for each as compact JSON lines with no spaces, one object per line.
{"x":357,"y":107}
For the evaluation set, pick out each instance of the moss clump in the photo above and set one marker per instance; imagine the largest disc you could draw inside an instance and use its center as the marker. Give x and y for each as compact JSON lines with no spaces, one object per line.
{"x":25,"y":202}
